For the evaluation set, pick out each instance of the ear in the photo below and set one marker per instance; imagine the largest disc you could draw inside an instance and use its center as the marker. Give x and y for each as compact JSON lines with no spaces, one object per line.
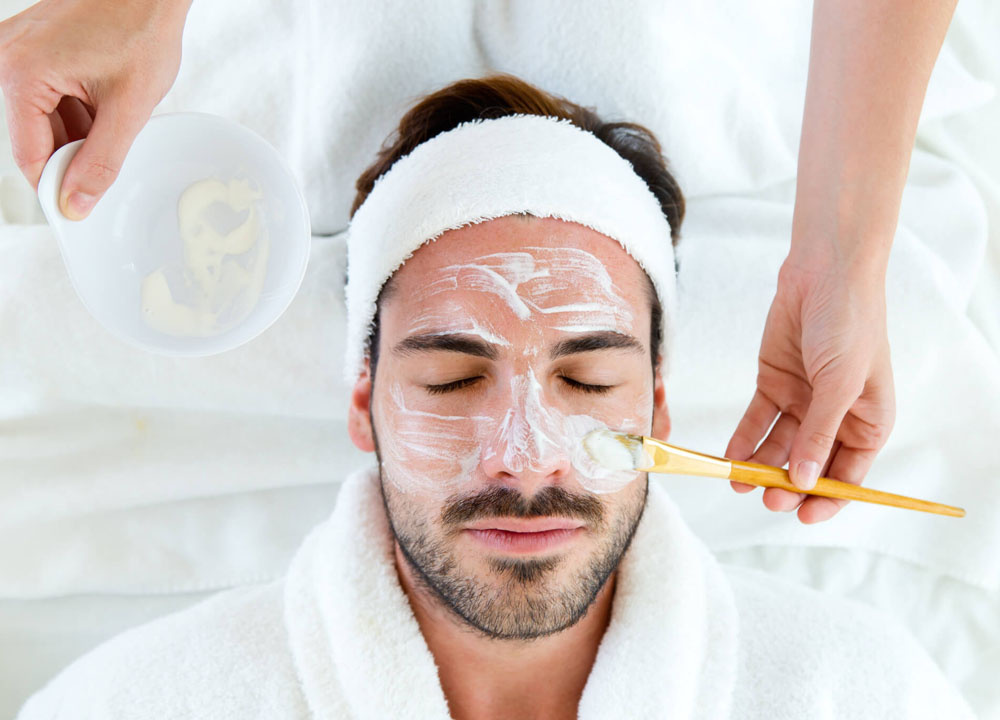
{"x":661,"y":414}
{"x":359,"y":425}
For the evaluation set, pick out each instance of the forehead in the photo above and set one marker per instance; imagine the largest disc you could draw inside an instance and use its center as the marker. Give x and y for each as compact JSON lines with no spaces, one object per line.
{"x":523,"y":233}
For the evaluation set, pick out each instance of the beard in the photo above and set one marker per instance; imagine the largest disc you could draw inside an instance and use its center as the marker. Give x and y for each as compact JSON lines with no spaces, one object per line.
{"x":522,"y":599}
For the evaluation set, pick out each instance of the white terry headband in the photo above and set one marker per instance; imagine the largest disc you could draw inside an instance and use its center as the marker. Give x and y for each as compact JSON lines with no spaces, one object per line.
{"x":485,"y":169}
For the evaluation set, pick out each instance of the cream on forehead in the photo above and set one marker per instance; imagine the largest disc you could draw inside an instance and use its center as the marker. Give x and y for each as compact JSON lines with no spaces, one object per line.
{"x":452,"y":317}
{"x":534,"y":284}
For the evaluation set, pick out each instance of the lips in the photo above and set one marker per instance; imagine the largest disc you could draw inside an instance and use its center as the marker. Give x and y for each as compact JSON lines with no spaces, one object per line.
{"x":526,"y":526}
{"x":520,"y":543}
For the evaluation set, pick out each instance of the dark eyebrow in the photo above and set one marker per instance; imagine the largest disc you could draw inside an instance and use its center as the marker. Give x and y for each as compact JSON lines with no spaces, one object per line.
{"x":470,"y":345}
{"x":467,"y":344}
{"x":604,"y":340}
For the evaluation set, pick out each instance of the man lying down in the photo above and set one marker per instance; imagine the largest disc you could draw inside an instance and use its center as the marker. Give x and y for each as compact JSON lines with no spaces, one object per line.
{"x":485,"y":568}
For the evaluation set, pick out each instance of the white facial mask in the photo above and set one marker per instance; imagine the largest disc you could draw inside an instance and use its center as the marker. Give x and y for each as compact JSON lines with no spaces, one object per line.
{"x":544,"y":273}
{"x":454,"y":318}
{"x":441,"y":454}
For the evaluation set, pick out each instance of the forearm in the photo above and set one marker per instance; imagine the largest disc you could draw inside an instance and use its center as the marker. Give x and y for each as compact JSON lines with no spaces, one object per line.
{"x":869,"y":65}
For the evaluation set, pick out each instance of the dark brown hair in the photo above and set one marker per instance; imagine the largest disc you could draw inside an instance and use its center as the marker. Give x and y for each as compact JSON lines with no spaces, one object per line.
{"x":500,"y":95}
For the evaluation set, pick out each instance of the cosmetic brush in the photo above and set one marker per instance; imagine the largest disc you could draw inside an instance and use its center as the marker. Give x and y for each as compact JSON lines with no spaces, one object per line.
{"x":623,"y":451}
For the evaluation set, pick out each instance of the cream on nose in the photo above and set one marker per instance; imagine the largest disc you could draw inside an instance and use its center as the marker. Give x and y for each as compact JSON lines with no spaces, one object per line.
{"x":528,"y":442}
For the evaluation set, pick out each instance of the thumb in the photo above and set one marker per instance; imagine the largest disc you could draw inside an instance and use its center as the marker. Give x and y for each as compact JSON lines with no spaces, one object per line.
{"x":96,"y":164}
{"x":812,"y":443}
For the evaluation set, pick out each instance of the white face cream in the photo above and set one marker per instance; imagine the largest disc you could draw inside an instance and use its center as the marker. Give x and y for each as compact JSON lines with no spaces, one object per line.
{"x":547,"y":295}
{"x":224,"y":267}
{"x":614,"y":450}
{"x":532,"y":283}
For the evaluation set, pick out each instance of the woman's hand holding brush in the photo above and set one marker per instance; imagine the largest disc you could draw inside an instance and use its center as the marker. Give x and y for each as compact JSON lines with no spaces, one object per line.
{"x":824,"y":371}
{"x":824,"y":359}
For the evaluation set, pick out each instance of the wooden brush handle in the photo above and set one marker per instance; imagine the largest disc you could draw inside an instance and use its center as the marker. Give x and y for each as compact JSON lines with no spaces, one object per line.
{"x":767,"y":476}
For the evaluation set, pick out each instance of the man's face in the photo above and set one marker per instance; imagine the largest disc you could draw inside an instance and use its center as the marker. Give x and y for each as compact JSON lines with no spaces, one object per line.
{"x":502,"y":344}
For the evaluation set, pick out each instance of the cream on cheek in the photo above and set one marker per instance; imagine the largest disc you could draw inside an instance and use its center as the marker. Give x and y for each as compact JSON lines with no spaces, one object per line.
{"x":428,"y":452}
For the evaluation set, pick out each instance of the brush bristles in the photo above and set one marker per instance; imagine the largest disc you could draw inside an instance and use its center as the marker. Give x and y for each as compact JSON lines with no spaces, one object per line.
{"x":615,"y":450}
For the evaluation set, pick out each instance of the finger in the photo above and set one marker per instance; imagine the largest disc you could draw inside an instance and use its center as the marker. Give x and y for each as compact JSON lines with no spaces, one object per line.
{"x":774,"y":450}
{"x":814,"y":440}
{"x":825,"y":472}
{"x":818,"y":509}
{"x":30,"y":137}
{"x":787,"y":501}
{"x":75,"y":117}
{"x":849,"y":465}
{"x":852,"y":464}
{"x":96,"y":165}
{"x":59,"y":135}
{"x":755,"y":422}
{"x":752,"y":426}
{"x":781,"y":500}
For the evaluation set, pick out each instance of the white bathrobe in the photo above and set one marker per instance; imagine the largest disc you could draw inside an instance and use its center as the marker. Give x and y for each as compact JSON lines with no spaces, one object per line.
{"x":336,"y":638}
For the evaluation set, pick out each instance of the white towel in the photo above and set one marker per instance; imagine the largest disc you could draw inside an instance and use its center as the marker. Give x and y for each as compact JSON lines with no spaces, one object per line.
{"x":687,"y":638}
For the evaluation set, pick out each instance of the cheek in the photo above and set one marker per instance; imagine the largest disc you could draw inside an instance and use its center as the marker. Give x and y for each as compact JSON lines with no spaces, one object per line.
{"x":629,"y":412}
{"x":424,"y":452}
{"x":411,"y":514}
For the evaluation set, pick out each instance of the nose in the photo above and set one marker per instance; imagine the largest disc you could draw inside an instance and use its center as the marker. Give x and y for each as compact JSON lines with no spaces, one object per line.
{"x":528,"y":448}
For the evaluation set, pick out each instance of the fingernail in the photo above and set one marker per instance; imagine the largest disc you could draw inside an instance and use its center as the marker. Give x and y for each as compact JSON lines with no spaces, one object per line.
{"x":805,"y":478}
{"x":79,"y":205}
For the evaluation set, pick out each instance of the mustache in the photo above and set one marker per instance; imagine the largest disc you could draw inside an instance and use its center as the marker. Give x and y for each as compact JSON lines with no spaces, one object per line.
{"x":506,"y":502}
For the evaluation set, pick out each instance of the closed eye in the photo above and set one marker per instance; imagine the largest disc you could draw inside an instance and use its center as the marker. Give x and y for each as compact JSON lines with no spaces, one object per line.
{"x":586,"y":387}
{"x":466,"y":382}
{"x":450,"y":387}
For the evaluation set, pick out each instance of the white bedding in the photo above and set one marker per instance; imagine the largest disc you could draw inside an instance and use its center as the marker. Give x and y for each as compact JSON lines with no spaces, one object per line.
{"x":131,"y":485}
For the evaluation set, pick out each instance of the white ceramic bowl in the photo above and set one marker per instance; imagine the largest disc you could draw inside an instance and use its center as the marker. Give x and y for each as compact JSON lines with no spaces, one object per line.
{"x":133,"y":231}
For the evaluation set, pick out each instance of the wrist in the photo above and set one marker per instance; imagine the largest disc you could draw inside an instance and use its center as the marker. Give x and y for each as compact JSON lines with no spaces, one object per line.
{"x":856,"y":255}
{"x":858,"y":268}
{"x":840,"y":231}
